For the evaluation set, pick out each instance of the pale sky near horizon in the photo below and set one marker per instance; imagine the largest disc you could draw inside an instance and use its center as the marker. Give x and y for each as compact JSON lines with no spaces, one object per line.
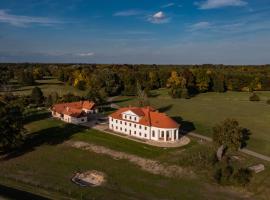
{"x":135,"y":31}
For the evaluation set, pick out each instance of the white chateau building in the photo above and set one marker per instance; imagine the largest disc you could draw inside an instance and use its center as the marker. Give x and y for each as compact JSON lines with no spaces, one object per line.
{"x":144,"y":123}
{"x":74,"y":112}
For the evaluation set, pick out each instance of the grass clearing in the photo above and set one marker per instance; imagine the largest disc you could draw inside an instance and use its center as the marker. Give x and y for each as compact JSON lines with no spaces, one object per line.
{"x":206,"y":110}
{"x":48,"y":85}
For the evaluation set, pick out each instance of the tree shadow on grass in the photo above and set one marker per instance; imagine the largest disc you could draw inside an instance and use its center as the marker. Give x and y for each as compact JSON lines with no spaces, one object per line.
{"x":36,"y":117}
{"x":165,"y":108}
{"x":122,"y":100}
{"x":185,"y":126}
{"x":49,"y":136}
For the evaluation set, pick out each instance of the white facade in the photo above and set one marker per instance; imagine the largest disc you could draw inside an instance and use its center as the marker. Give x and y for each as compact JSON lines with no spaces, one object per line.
{"x":70,"y":119}
{"x":129,"y":125}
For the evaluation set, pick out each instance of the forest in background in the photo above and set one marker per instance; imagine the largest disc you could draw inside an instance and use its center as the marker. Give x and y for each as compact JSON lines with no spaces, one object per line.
{"x":183,"y":81}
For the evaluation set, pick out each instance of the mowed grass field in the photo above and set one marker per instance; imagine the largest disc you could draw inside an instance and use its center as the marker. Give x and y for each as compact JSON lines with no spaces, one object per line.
{"x":47,"y":167}
{"x":48,"y":85}
{"x":206,"y":110}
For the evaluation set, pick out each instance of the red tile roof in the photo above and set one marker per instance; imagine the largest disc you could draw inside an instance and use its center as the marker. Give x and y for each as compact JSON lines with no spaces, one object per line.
{"x":148,"y":117}
{"x":74,"y":109}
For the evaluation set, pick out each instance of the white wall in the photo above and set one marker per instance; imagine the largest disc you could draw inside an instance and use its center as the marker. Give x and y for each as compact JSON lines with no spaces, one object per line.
{"x":140,"y":131}
{"x":70,"y":119}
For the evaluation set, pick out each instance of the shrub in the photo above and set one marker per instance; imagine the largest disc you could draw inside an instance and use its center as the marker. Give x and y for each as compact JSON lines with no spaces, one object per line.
{"x":254,"y":97}
{"x":243,"y":176}
{"x":218,"y":175}
{"x":268,"y":101}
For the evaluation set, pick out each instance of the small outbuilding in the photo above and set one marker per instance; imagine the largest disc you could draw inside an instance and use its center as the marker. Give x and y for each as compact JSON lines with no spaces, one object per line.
{"x":74,"y":112}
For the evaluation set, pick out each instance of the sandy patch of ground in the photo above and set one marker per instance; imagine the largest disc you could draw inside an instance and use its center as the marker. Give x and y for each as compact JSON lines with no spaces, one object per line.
{"x":148,"y":165}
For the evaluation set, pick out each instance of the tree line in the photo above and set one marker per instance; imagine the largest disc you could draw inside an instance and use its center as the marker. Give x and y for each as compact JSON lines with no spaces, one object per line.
{"x":111,"y":80}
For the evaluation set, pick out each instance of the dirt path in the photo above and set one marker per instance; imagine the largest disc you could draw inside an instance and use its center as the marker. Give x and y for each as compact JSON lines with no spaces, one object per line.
{"x":148,"y":165}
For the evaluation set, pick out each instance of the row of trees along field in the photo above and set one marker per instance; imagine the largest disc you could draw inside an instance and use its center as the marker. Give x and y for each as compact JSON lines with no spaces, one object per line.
{"x":110,"y":80}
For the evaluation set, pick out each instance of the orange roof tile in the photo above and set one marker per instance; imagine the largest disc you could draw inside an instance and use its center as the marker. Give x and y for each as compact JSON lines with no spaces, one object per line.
{"x":74,"y":109}
{"x":148,"y":117}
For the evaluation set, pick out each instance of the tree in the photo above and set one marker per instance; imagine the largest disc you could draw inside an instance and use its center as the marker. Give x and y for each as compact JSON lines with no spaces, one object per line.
{"x":11,"y":126}
{"x":142,"y":96}
{"x":25,"y":77}
{"x":218,"y":82}
{"x":98,"y":96}
{"x":178,"y":86}
{"x":202,"y":80}
{"x":49,"y":101}
{"x":37,"y":96}
{"x":243,"y":176}
{"x":153,"y":80}
{"x":230,"y":134}
{"x":38,"y":73}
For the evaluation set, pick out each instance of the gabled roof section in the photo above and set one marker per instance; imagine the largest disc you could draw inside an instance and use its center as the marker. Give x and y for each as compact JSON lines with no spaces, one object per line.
{"x":74,"y":109}
{"x":149,"y":117}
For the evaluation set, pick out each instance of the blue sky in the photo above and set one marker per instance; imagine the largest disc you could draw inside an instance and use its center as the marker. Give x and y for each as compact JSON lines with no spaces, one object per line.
{"x":135,"y":31}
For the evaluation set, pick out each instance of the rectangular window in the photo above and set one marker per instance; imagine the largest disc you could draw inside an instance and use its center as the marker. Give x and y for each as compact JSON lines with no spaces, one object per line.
{"x":140,"y":134}
{"x":130,"y":117}
{"x":125,"y":123}
{"x":145,"y":135}
{"x":134,"y":132}
{"x":145,"y":128}
{"x":140,"y":127}
{"x":153,"y":133}
{"x":135,"y":125}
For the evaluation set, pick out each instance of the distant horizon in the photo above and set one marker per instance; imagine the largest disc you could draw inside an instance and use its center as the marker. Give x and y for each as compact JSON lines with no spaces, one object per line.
{"x":78,"y":63}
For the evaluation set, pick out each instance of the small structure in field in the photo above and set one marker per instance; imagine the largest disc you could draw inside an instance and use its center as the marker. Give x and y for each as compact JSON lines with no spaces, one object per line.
{"x":89,"y":178}
{"x":257,"y":168}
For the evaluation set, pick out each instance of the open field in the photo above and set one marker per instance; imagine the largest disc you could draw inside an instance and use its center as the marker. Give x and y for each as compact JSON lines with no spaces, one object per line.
{"x":205,"y":110}
{"x":48,"y":85}
{"x":48,"y":165}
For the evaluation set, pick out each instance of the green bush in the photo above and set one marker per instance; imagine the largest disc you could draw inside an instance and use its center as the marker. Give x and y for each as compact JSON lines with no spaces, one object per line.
{"x":243,"y":176}
{"x":254,"y":97}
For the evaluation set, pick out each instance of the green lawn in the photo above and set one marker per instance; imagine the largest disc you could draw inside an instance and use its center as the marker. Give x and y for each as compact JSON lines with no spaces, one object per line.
{"x":46,"y":167}
{"x":48,"y":85}
{"x":205,"y":110}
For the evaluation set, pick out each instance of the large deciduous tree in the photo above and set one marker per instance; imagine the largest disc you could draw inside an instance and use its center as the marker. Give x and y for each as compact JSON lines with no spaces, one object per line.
{"x":230,"y":135}
{"x":11,"y":126}
{"x":37,"y":96}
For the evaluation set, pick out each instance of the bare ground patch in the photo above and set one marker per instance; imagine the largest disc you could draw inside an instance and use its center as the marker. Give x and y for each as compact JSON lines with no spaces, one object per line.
{"x":145,"y":164}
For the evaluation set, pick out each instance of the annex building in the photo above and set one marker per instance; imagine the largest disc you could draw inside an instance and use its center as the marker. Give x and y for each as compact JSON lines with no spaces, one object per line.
{"x":74,"y":112}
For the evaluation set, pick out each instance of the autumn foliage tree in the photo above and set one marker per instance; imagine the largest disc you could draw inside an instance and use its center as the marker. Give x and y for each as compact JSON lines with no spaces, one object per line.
{"x":229,"y":134}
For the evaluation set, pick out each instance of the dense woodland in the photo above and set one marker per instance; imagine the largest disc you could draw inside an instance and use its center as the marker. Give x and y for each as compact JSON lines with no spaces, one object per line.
{"x":111,"y":80}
